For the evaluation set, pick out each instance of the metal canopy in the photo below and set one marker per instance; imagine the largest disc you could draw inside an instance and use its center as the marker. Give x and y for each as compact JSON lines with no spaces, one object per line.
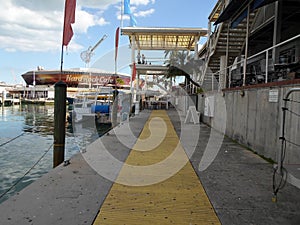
{"x":164,"y":38}
{"x":152,"y":70}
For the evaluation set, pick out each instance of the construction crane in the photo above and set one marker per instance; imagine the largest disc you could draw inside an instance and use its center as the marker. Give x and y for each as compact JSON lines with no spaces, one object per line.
{"x":87,"y":55}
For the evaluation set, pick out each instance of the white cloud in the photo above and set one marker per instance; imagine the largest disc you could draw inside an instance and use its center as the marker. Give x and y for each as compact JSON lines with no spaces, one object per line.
{"x":97,"y":4}
{"x":84,"y":20}
{"x":144,"y":13}
{"x":36,"y":25}
{"x":142,"y":2}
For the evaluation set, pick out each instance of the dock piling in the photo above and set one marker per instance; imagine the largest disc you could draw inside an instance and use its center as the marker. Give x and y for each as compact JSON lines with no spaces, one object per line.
{"x":59,"y":123}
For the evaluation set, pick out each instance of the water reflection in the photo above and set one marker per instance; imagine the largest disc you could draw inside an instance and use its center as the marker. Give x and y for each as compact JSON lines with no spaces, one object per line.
{"x":38,"y":119}
{"x":26,"y":134}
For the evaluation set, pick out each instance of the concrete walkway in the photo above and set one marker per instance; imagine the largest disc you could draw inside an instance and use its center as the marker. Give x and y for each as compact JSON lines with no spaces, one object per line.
{"x":157,"y":185}
{"x":239,"y":185}
{"x":237,"y":182}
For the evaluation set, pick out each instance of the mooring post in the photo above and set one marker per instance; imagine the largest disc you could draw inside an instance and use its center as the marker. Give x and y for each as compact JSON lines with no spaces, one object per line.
{"x":115,"y":108}
{"x":59,"y":123}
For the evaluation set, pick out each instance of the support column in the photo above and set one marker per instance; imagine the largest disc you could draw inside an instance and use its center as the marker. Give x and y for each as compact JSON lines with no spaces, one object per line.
{"x":196,"y":58}
{"x":276,"y":30}
{"x":222,"y":75}
{"x":132,"y":68}
{"x":137,"y":100}
{"x":227,"y":56}
{"x":246,"y":47}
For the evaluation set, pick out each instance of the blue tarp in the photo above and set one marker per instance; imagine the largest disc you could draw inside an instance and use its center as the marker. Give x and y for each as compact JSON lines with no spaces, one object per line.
{"x":100,"y":109}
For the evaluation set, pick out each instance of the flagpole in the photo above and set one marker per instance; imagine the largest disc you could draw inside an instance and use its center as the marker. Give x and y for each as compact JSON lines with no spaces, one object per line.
{"x":60,"y":89}
{"x":115,"y":92}
{"x":61,"y":61}
{"x":121,"y":22}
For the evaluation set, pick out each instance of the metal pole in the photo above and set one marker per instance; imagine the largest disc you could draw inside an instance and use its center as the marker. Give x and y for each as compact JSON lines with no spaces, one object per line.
{"x":284,"y":108}
{"x":61,"y":61}
{"x":132,"y":61}
{"x":267,"y":66}
{"x":277,"y":27}
{"x":246,"y":48}
{"x":121,"y":21}
{"x":59,"y":123}
{"x":212,"y":82}
{"x":227,"y":56}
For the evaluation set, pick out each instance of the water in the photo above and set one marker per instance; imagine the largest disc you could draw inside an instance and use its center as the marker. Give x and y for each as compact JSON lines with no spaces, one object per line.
{"x":26,"y":137}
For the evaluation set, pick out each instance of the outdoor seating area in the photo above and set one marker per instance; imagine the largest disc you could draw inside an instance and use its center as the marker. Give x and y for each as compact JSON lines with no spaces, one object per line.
{"x":152,"y":104}
{"x":261,"y":72}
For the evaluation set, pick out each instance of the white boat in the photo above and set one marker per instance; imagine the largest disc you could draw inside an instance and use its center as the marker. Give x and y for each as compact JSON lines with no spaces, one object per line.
{"x":91,"y":104}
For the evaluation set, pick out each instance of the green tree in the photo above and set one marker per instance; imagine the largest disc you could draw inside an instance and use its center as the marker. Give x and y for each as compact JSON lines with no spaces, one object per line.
{"x":182,"y":64}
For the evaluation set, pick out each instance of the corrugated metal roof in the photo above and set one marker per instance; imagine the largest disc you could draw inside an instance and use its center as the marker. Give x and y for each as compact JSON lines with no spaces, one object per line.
{"x":164,"y":38}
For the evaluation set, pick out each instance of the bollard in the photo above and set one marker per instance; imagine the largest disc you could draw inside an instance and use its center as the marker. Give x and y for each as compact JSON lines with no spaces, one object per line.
{"x":114,"y":117}
{"x":59,"y":123}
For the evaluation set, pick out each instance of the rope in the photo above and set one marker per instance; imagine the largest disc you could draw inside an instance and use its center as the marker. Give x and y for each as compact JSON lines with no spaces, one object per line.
{"x":5,"y":143}
{"x":21,"y":178}
{"x":283,"y":174}
{"x":293,"y":101}
{"x":294,"y":113}
{"x":281,"y":183}
{"x":282,"y":171}
{"x":290,"y":142}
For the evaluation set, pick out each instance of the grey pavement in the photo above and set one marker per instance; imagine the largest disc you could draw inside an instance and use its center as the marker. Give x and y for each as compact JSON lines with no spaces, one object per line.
{"x":237,"y":182}
{"x":239,"y":185}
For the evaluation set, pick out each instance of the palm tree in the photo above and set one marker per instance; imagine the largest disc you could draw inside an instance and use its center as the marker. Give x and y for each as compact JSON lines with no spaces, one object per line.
{"x":181,"y":64}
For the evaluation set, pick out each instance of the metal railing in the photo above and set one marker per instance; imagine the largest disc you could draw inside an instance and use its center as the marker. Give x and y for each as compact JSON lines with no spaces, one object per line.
{"x":261,"y":68}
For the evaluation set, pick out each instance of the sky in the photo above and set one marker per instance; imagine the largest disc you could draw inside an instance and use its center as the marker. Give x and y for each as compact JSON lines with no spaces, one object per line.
{"x":31,"y":31}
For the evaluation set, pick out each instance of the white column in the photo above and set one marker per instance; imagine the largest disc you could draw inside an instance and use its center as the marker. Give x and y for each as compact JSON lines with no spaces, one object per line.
{"x":132,"y":50}
{"x":196,"y":57}
{"x":132,"y":61}
{"x":196,"y":48}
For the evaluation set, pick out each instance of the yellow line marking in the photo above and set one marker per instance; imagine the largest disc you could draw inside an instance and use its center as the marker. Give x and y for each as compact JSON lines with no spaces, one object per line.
{"x":180,"y":199}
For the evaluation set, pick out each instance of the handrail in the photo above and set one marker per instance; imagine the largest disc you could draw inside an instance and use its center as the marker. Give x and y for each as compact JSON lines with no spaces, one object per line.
{"x":255,"y":55}
{"x":274,"y":46}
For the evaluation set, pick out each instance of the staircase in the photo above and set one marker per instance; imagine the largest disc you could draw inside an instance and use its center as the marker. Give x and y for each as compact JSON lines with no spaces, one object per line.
{"x":235,"y":38}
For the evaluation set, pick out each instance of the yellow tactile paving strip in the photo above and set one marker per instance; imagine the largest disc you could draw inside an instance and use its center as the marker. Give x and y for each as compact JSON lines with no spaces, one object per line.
{"x":179,"y":199}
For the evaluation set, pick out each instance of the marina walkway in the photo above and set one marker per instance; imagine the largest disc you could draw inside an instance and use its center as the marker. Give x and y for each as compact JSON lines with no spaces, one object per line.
{"x":152,"y":183}
{"x":180,"y":199}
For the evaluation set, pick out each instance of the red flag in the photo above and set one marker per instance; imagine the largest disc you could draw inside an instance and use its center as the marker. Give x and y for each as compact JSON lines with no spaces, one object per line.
{"x":133,"y":72}
{"x":117,"y":43}
{"x":70,"y":6}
